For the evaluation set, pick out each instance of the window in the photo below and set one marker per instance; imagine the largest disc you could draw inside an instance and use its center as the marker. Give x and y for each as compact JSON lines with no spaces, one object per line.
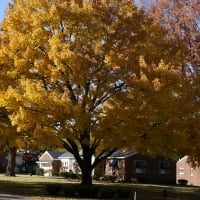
{"x":76,"y":168}
{"x":191,"y":171}
{"x":164,"y":167}
{"x":65,"y":164}
{"x":114,"y":166}
{"x":140,"y":166}
{"x":46,"y":164}
{"x":181,"y":170}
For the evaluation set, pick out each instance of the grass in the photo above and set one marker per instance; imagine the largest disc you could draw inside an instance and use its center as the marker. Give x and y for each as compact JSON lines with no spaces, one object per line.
{"x":35,"y":186}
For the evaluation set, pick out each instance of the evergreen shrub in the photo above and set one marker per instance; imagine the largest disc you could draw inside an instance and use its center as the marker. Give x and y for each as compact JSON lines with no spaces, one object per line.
{"x":53,"y":189}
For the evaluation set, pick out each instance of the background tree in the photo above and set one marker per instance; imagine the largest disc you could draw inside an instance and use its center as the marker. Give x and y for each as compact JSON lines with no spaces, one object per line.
{"x":164,"y":113}
{"x":8,"y":132}
{"x":8,"y":135}
{"x":181,"y":20}
{"x":69,"y":62}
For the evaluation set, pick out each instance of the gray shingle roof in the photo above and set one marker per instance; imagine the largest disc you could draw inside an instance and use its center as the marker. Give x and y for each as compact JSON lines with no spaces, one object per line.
{"x":122,"y":154}
{"x":66,"y":155}
{"x":54,"y":154}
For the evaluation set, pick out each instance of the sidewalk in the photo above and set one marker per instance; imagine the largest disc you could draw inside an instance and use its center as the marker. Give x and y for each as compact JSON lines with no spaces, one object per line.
{"x":14,"y":197}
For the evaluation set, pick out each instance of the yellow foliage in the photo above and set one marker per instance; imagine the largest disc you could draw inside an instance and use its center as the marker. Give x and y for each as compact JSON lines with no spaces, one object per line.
{"x":99,"y":75}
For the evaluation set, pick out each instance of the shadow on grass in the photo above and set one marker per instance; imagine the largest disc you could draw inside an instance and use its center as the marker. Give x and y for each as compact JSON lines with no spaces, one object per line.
{"x":20,"y":188}
{"x":142,"y":191}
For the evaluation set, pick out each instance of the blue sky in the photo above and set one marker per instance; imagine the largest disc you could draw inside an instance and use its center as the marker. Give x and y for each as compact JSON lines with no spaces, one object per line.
{"x":3,"y":7}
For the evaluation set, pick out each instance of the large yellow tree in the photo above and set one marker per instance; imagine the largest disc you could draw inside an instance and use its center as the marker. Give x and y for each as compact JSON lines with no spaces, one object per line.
{"x":162,"y":110}
{"x":77,"y":73}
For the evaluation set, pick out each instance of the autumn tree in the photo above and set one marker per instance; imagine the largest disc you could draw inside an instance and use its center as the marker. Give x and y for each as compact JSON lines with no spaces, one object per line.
{"x":181,"y":19}
{"x":74,"y":65}
{"x":8,"y":135}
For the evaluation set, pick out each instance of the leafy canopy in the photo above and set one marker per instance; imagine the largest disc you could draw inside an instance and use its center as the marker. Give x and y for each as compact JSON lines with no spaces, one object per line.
{"x":96,"y":76}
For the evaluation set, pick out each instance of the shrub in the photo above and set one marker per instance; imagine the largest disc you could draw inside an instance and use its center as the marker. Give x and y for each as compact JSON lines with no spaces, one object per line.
{"x":110,"y":178}
{"x":88,"y":191}
{"x":123,"y":193}
{"x":70,"y":191}
{"x":134,"y":180}
{"x":107,"y":193}
{"x":64,"y":174}
{"x":70,"y":175}
{"x":39,"y":172}
{"x":182,"y":182}
{"x":114,"y":193}
{"x":53,"y":189}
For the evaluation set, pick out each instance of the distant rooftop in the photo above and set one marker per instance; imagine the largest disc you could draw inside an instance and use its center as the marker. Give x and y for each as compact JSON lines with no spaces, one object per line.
{"x":66,"y":155}
{"x":122,"y":154}
{"x":54,"y":154}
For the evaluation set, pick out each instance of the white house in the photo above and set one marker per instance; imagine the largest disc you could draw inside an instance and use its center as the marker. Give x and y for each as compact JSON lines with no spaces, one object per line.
{"x":53,"y":162}
{"x":48,"y":161}
{"x":68,"y":163}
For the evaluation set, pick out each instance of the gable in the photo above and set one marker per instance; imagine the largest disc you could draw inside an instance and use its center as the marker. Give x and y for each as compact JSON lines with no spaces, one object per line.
{"x":50,"y":155}
{"x":45,"y":156}
{"x":183,"y":159}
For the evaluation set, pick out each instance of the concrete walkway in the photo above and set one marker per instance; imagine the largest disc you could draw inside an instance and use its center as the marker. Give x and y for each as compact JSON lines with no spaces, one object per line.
{"x":14,"y":197}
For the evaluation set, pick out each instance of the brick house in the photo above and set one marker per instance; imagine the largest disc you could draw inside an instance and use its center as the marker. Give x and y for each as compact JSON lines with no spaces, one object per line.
{"x":130,"y":165}
{"x":185,"y":171}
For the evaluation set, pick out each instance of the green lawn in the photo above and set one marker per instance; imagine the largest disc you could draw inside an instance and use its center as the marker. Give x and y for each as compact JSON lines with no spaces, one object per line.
{"x":35,"y":186}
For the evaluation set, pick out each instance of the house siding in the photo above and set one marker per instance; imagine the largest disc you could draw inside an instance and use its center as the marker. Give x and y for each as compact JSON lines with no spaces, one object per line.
{"x":49,"y":163}
{"x":152,"y":172}
{"x":70,"y":162}
{"x":46,"y":156}
{"x":99,"y":170}
{"x":194,"y":178}
{"x":127,"y":170}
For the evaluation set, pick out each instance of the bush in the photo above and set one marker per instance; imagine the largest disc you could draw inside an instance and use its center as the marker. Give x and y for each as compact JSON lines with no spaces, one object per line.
{"x":53,"y":189}
{"x":114,"y":193}
{"x":88,"y":191}
{"x":70,"y":175}
{"x":134,"y":180}
{"x":110,"y":178}
{"x":123,"y":193}
{"x":40,"y":172}
{"x":107,"y":193}
{"x":70,"y":191}
{"x":182,"y":182}
{"x":96,"y":191}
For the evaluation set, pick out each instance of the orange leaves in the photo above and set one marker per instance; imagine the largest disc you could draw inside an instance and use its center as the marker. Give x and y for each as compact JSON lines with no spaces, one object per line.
{"x":87,"y":73}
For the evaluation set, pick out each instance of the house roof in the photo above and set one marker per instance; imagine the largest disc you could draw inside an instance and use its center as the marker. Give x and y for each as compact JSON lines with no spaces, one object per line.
{"x":183,"y":158}
{"x":54,"y":154}
{"x":66,"y":155}
{"x":122,"y":154}
{"x":50,"y":155}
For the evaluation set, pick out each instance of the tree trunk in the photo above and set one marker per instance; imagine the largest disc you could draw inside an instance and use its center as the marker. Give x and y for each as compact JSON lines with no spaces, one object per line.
{"x":10,"y":170}
{"x":86,"y":176}
{"x":86,"y":167}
